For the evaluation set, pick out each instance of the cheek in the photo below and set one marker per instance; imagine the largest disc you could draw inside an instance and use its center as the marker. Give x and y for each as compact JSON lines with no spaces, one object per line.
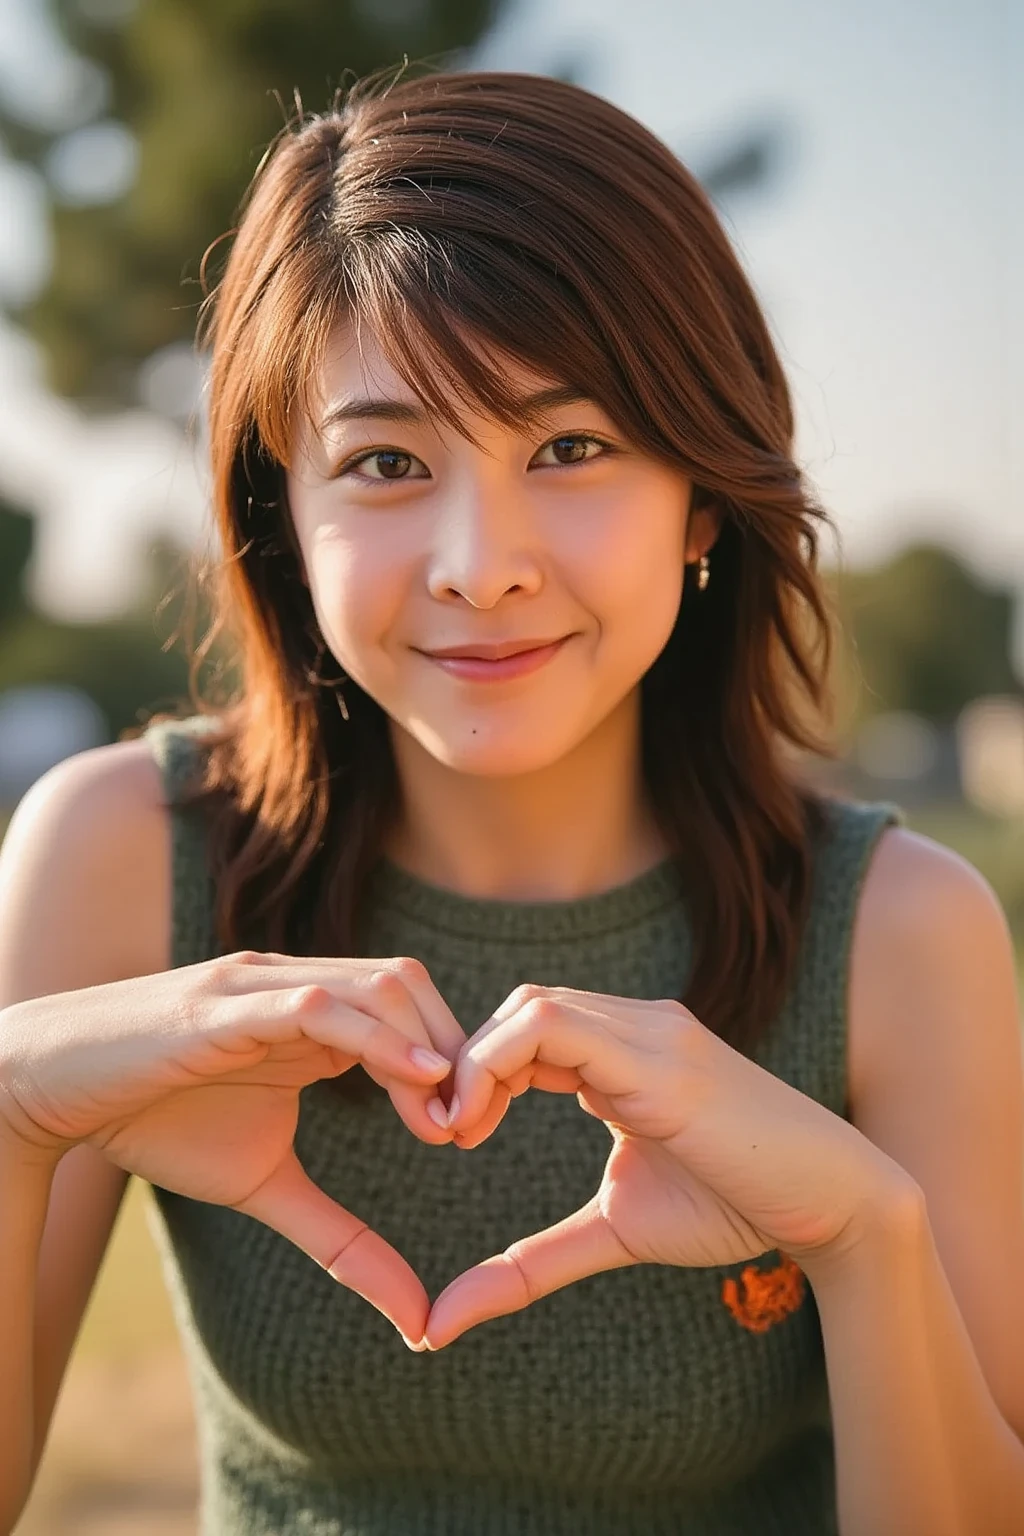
{"x":633,"y":568}
{"x":356,"y":596}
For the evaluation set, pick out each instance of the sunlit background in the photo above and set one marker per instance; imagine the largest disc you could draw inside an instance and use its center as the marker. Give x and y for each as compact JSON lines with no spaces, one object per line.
{"x":866,"y":162}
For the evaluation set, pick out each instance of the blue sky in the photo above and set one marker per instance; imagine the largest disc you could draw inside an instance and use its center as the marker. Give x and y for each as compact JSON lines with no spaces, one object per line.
{"x":887,"y":256}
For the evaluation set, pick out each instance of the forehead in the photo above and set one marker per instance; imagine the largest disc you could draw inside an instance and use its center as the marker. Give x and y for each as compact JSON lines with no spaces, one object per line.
{"x":356,"y":366}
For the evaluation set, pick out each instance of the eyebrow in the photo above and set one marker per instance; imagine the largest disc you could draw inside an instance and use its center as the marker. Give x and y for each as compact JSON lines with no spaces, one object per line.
{"x":412,"y":415}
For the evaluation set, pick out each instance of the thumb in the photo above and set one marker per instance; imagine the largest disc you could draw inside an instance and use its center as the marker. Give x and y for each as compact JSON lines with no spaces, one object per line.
{"x":581,"y":1244}
{"x":357,"y":1257}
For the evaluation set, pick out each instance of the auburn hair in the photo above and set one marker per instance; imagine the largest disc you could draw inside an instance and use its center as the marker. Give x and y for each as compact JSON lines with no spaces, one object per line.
{"x":463,"y":216}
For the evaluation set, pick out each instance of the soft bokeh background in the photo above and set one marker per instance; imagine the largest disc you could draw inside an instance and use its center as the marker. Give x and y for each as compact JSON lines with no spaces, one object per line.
{"x":867,"y":165}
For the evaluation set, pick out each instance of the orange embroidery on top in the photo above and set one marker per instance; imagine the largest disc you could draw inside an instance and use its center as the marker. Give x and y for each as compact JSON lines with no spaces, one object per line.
{"x":764,"y":1297}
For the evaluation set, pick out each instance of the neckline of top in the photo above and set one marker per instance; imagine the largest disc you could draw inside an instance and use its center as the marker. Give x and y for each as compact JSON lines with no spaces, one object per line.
{"x":502,"y":918}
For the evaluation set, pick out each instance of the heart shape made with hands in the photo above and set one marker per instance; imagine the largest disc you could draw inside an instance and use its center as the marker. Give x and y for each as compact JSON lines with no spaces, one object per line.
{"x":714,"y":1160}
{"x":361,"y":1259}
{"x":292,"y":1203}
{"x":643,"y":1192}
{"x":370,"y":1266}
{"x":588,"y":1240}
{"x":581,"y":1243}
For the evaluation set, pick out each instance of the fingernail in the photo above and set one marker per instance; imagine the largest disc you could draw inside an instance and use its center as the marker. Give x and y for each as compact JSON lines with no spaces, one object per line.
{"x":429,"y":1060}
{"x":453,"y":1109}
{"x":416,"y":1348}
{"x":438,"y":1113}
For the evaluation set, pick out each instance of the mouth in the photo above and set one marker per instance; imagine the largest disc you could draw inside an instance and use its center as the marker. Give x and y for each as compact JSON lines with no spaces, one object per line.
{"x":480,"y":669}
{"x":497,"y":650}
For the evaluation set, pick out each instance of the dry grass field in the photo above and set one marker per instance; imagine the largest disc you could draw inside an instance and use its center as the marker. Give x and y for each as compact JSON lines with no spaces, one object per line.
{"x":120,"y":1460}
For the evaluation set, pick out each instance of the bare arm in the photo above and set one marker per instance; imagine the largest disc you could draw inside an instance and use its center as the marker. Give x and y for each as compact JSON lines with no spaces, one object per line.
{"x":924,"y":1349}
{"x":73,"y":913}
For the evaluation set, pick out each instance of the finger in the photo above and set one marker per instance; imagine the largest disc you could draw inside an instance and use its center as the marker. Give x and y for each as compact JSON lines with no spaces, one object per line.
{"x":346,"y":1247}
{"x":551,"y":1079}
{"x":394,"y":989}
{"x":607,"y":1003}
{"x":409,"y":1000}
{"x":445,"y":1032}
{"x":540,"y":1074}
{"x":492,"y":1118}
{"x":424,"y":1110}
{"x":542,"y":1031}
{"x":414,"y":1104}
{"x":401,"y":992}
{"x":518,"y":1082}
{"x":313,"y":1011}
{"x":583,"y":1244}
{"x":599,"y":1105}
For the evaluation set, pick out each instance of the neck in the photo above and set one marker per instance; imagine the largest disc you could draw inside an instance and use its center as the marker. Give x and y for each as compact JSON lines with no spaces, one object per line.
{"x":577,"y":827}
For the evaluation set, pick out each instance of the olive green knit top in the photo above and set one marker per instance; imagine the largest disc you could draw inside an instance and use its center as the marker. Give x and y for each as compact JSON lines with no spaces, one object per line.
{"x":648,"y":1401}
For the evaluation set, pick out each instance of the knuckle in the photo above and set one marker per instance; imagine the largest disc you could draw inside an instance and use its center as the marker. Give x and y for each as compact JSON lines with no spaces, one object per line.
{"x":539,"y":1010}
{"x":524,"y":993}
{"x":674,"y":1013}
{"x":388,"y":987}
{"x":688,"y":1027}
{"x":409,"y":969}
{"x":311,"y":998}
{"x":247,"y":957}
{"x":216,"y":975}
{"x":690,"y":1038}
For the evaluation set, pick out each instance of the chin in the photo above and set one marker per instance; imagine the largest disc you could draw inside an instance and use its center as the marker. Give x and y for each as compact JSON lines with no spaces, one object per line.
{"x":492,"y":754}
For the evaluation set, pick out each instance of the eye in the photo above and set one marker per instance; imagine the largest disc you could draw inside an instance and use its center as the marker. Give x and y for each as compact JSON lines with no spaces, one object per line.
{"x":392,"y":462}
{"x":575,"y":440}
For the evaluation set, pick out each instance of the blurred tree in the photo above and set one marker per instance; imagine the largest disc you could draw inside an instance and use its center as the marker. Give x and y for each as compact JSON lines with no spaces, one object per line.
{"x":753,"y":161}
{"x":17,"y":532}
{"x":129,"y":666}
{"x":201,"y":86}
{"x":921,"y":634}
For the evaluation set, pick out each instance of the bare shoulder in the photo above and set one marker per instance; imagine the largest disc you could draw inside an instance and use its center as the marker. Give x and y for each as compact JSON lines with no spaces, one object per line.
{"x":85,"y":874}
{"x":908,"y":868}
{"x":929,"y":928}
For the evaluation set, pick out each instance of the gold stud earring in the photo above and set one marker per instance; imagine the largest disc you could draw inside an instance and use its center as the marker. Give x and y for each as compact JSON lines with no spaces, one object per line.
{"x":703,"y":573}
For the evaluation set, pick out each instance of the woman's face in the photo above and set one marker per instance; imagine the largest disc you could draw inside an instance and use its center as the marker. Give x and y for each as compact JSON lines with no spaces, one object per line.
{"x":413,"y":538}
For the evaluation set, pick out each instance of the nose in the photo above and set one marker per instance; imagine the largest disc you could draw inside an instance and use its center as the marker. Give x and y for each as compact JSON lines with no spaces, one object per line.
{"x":484,"y":543}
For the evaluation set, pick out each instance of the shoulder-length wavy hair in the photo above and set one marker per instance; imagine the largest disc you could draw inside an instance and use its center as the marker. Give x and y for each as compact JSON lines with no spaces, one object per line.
{"x":463,"y":215}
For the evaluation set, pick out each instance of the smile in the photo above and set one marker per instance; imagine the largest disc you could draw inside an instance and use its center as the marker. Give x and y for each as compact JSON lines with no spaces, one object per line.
{"x":475,"y":670}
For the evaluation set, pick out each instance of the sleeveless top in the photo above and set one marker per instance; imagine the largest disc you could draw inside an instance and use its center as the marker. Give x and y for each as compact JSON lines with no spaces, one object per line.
{"x":649,"y":1401}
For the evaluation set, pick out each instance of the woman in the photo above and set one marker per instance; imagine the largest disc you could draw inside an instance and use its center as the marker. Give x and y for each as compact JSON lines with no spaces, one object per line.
{"x":488,"y":378}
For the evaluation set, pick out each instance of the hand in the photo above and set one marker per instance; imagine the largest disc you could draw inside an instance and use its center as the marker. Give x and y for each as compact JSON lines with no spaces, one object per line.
{"x":190,"y":1078}
{"x":714,"y":1159}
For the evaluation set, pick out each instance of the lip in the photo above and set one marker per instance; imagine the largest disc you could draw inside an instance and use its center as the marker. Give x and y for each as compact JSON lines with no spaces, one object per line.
{"x":477,"y":670}
{"x":493,"y":650}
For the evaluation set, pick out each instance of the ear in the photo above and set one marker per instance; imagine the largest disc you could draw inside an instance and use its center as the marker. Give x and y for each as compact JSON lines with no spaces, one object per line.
{"x":704,"y":523}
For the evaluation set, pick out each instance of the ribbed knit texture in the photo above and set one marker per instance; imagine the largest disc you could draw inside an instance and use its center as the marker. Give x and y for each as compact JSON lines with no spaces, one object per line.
{"x":634,"y":1403}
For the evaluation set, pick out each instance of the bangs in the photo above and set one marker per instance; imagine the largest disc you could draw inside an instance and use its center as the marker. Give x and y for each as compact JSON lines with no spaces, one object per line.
{"x":449,"y":314}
